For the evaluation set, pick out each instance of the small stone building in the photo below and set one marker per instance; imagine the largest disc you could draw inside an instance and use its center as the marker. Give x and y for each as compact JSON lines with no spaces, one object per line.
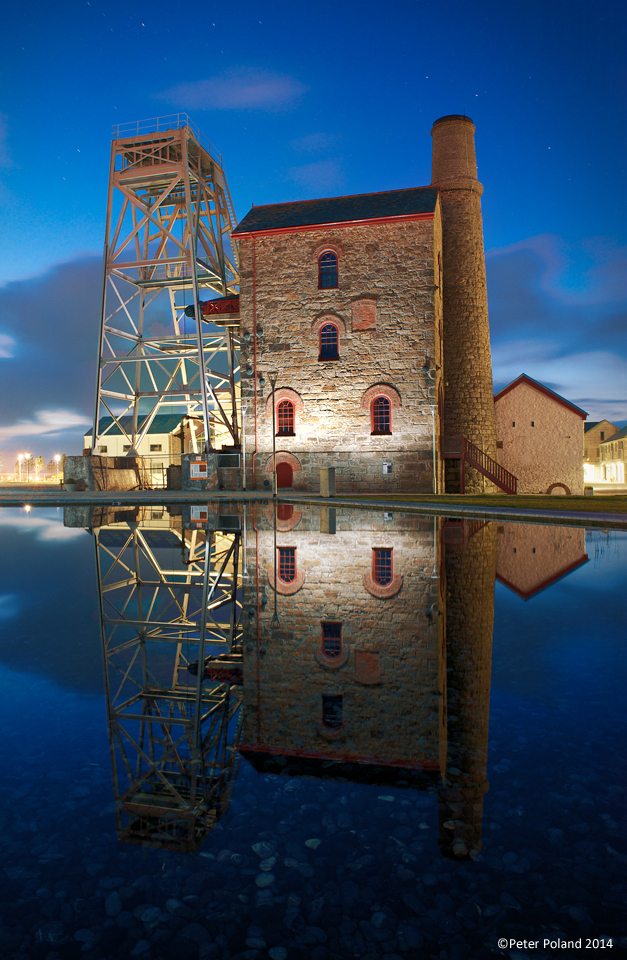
{"x":595,"y":433}
{"x":539,"y":437}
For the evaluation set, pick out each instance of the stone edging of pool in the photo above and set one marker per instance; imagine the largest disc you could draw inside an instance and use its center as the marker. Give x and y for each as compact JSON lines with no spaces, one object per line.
{"x":12,"y":497}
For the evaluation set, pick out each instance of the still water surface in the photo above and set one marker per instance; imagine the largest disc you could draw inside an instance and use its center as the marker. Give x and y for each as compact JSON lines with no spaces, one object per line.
{"x":412,"y":747}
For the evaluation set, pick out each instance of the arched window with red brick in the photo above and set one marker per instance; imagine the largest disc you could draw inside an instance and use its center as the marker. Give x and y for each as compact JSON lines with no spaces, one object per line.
{"x":381,"y":416}
{"x":327,"y":270}
{"x":285,"y":418}
{"x":329,"y":342}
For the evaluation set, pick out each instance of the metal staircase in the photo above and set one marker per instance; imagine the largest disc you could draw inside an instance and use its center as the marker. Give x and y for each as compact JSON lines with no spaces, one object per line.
{"x":459,"y":448}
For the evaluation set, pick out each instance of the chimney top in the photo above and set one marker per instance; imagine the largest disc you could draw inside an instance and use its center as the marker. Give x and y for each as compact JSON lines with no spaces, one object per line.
{"x":453,"y":116}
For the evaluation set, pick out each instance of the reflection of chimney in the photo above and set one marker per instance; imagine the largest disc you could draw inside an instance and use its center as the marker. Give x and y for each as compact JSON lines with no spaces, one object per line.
{"x":470,"y":573}
{"x":468,"y":398}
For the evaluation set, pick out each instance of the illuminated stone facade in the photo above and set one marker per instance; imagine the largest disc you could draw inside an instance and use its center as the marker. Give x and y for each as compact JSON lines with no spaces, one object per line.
{"x":388,"y":317}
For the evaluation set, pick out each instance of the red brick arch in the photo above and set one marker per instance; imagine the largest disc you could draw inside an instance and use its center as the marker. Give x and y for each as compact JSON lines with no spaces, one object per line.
{"x":285,"y":589}
{"x":381,"y":390}
{"x":382,"y":593}
{"x":282,"y":456}
{"x":323,"y":247}
{"x":285,"y":393}
{"x":328,"y":318}
{"x":564,"y":487}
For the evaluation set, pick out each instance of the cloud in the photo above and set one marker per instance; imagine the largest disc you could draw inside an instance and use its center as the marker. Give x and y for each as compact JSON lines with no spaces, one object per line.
{"x":44,"y":528}
{"x":237,"y":89}
{"x":558,"y":312}
{"x":6,"y":345}
{"x":586,"y":379}
{"x":47,"y":380}
{"x":48,"y":423}
{"x":312,"y":143}
{"x":591,"y":272}
{"x":320,"y":176}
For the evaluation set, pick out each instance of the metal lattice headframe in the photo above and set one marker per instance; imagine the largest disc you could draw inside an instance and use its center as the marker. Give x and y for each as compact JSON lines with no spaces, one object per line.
{"x":166,"y":595}
{"x":168,"y":236}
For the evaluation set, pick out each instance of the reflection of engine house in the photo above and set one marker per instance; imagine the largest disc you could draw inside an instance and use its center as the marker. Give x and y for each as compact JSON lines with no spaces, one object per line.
{"x":362,"y":636}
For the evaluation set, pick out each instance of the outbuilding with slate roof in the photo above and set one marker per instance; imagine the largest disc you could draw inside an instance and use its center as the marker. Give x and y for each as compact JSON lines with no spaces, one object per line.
{"x":539,"y":437}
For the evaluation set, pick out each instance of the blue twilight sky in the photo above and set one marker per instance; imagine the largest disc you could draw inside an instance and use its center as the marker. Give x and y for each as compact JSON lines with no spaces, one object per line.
{"x":305,"y":101}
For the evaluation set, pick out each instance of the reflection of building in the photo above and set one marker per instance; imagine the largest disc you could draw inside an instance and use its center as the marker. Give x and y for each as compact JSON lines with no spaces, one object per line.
{"x":531,"y":557}
{"x":356,"y":643}
{"x":365,"y":306}
{"x":539,"y":437}
{"x":612,"y":455}
{"x":595,"y":433}
{"x":168,"y":598}
{"x":376,"y":666}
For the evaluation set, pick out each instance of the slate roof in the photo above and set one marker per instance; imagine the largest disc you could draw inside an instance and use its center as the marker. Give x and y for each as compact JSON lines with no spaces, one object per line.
{"x":362,"y":206}
{"x":523,"y":378}
{"x":163,"y":423}
{"x":617,"y":436}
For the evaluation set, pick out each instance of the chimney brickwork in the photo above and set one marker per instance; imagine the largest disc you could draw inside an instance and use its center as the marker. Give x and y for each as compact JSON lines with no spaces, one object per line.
{"x":467,"y":402}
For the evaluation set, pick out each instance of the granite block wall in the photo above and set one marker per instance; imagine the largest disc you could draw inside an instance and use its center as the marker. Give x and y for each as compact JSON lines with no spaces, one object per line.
{"x":387,"y":308}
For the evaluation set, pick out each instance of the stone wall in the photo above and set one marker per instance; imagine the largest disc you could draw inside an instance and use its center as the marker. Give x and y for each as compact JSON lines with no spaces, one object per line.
{"x":107,"y":473}
{"x":548,"y":453}
{"x":388,"y":313}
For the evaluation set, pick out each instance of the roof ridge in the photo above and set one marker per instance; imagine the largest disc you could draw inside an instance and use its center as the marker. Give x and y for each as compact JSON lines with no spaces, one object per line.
{"x":346,"y":196}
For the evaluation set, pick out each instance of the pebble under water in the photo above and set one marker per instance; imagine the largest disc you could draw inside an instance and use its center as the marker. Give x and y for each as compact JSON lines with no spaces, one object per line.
{"x":310,"y":859}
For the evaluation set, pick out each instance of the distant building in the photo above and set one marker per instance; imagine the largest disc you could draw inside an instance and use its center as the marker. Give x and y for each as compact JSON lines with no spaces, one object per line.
{"x":169,"y":435}
{"x":594,"y":434}
{"x":539,"y":437}
{"x":161,"y":443}
{"x":612,"y":452}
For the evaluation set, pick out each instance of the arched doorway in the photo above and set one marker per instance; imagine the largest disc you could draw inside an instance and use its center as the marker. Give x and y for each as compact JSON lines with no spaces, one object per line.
{"x":284,"y":475}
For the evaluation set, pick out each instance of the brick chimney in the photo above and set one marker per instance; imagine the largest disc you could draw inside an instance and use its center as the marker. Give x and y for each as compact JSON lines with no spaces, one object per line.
{"x":468,"y":405}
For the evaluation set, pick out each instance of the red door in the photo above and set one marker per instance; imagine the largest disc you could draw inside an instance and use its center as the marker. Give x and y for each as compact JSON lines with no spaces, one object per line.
{"x":284,"y":475}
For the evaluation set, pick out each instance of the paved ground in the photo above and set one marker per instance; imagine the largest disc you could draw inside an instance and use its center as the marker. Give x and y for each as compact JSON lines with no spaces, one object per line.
{"x":50,"y":495}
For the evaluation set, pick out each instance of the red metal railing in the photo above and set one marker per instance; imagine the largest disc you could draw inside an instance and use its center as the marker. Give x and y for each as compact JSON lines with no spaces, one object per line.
{"x":459,"y":448}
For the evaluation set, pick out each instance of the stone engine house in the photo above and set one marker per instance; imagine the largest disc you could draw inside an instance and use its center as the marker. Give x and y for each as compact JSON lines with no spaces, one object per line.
{"x":369,"y":314}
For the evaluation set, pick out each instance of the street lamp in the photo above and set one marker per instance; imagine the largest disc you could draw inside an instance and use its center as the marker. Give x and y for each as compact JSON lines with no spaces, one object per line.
{"x":28,"y":457}
{"x":273,"y":377}
{"x":57,"y":458}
